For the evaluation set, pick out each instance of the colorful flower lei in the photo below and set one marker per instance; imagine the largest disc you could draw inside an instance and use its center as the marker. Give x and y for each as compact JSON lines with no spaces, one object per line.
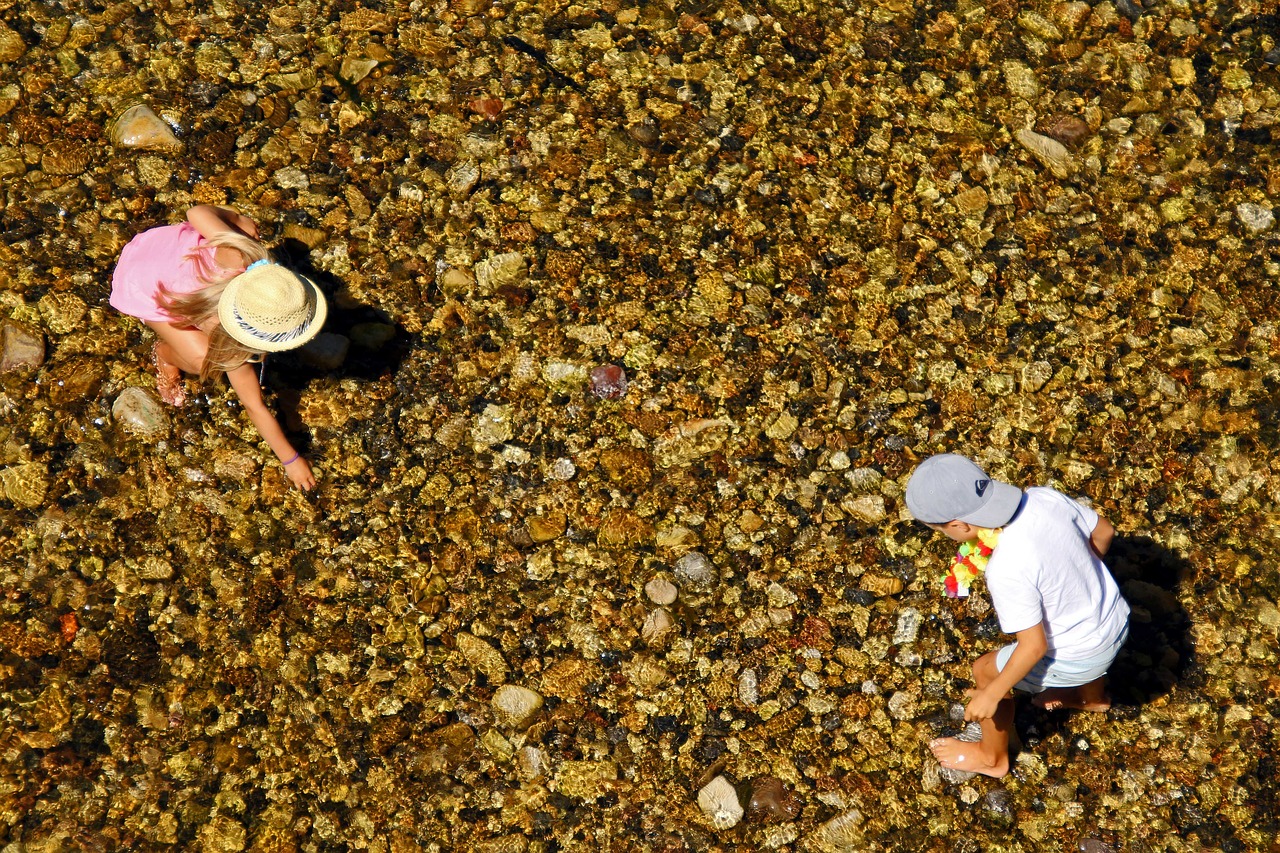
{"x":971,"y":561}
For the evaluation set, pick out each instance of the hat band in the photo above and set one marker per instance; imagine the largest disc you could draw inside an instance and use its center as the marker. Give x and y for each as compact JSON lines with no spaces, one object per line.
{"x":276,"y":337}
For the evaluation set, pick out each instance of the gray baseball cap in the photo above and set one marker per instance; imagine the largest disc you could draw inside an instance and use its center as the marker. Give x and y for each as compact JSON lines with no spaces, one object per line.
{"x":949,"y":487}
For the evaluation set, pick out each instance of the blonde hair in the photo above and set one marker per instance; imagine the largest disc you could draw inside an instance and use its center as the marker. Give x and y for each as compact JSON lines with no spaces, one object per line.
{"x":198,"y":307}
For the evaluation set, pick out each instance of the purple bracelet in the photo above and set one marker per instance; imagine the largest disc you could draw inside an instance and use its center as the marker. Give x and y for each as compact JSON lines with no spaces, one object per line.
{"x":289,"y":462}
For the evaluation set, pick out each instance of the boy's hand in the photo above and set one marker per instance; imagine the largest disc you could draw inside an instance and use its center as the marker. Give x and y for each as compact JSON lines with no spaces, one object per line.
{"x":982,"y":705}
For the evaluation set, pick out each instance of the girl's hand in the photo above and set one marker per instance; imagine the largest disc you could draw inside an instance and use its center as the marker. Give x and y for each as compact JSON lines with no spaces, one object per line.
{"x":299,"y":472}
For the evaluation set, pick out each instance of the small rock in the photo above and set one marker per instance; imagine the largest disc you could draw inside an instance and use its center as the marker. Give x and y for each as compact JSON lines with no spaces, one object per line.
{"x":20,"y":347}
{"x":139,"y":412}
{"x":908,"y":626}
{"x":972,"y":202}
{"x":483,"y":657}
{"x":695,"y":570}
{"x":515,"y":707}
{"x":326,"y":351}
{"x":508,"y":268}
{"x":153,"y":568}
{"x":462,"y":177}
{"x":661,"y":591}
{"x":772,"y":801}
{"x":621,"y":528}
{"x":997,"y":808}
{"x":1021,"y":80}
{"x":562,"y":469}
{"x":1051,"y":153}
{"x":312,"y":238}
{"x":1069,"y":130}
{"x":25,"y":485}
{"x":657,"y":625}
{"x":487,"y":108}
{"x":456,"y":282}
{"x":902,"y":705}
{"x":749,"y":688}
{"x":532,"y":763}
{"x":838,"y":834}
{"x":1131,"y":9}
{"x":869,"y":509}
{"x":12,"y":47}
{"x":719,"y":801}
{"x":881,"y":585}
{"x":544,"y":528}
{"x":1035,"y":375}
{"x":354,"y":70}
{"x":1255,"y":217}
{"x":139,"y":127}
{"x":492,"y":426}
{"x":782,"y":426}
{"x":608,"y":382}
{"x":372,"y":336}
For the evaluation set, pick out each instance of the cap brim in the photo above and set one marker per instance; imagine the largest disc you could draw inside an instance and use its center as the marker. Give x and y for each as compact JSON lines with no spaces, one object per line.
{"x":226,"y":316}
{"x":998,"y":509}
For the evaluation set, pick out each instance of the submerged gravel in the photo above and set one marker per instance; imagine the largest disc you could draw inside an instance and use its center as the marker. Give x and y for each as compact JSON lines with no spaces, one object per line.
{"x":636,"y":305}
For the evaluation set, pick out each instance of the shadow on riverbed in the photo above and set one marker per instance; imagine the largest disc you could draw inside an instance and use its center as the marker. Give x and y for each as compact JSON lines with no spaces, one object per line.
{"x":1159,"y":654}
{"x":358,"y":342}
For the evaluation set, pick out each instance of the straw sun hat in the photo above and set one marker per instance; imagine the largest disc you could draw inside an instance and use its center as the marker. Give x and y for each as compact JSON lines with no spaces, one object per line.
{"x":270,"y":309}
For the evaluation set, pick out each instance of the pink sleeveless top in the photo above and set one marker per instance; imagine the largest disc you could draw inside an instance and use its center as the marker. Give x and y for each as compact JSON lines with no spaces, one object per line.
{"x":154,"y":257}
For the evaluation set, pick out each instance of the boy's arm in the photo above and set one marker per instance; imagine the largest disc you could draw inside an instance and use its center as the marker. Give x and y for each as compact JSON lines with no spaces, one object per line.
{"x":210,"y":221}
{"x":1032,"y":644}
{"x":1100,"y":539}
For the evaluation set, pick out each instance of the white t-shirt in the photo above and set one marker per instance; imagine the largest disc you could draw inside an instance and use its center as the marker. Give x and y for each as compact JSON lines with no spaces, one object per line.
{"x":1044,"y":571}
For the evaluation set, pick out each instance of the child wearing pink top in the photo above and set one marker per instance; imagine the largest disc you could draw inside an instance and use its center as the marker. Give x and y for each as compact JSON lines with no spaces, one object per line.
{"x":218,"y":303}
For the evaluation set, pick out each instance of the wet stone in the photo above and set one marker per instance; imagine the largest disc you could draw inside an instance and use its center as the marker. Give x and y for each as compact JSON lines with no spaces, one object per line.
{"x":772,"y":801}
{"x":21,"y":348}
{"x":25,"y":485}
{"x":139,"y":127}
{"x":326,"y":351}
{"x":138,"y":411}
{"x":661,"y":591}
{"x":997,"y":809}
{"x":609,"y":382}
{"x":719,"y":802}
{"x":1255,"y":217}
{"x":695,"y":570}
{"x":514,"y":706}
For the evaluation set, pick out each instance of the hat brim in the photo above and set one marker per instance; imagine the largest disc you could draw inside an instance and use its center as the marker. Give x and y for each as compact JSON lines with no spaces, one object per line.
{"x":998,"y":509}
{"x":226,"y":316}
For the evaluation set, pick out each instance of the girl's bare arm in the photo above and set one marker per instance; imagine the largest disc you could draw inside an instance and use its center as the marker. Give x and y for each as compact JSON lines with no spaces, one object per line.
{"x":210,"y":221}
{"x":245,"y":382}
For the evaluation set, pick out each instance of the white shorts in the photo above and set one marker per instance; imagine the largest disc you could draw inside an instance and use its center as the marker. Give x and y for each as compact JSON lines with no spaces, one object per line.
{"x":1051,"y":672}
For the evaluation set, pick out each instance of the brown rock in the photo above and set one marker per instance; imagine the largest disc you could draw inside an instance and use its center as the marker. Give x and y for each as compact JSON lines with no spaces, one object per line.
{"x":20,"y":347}
{"x":544,"y":528}
{"x":1069,"y":130}
{"x":772,"y":801}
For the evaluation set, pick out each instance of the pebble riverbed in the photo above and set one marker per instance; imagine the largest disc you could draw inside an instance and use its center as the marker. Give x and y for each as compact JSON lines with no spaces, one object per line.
{"x":642,"y":314}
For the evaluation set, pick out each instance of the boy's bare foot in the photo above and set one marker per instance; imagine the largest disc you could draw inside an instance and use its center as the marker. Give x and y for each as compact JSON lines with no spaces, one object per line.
{"x":1088,"y":697}
{"x":955,"y":754}
{"x":168,"y":378}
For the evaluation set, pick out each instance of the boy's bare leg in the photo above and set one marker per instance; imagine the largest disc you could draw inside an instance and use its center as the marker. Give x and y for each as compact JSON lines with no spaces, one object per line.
{"x":989,"y":756}
{"x":1087,"y":697}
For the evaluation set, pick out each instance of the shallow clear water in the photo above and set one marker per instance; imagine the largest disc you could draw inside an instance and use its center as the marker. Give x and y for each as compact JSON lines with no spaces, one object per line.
{"x":821,"y":245}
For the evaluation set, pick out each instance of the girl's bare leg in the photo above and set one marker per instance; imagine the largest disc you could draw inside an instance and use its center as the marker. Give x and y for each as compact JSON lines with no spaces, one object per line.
{"x":177,"y":351}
